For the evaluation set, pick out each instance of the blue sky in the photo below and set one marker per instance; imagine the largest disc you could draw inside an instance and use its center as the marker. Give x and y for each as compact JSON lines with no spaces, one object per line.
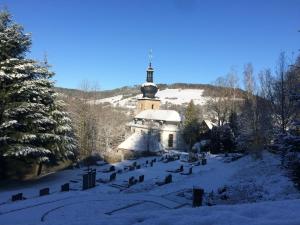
{"x":192,"y":41}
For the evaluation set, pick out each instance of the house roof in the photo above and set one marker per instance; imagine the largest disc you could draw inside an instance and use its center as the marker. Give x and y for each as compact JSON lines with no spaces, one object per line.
{"x":160,"y":115}
{"x":209,"y":124}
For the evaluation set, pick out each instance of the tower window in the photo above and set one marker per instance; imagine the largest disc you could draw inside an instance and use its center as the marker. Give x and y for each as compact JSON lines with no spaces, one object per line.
{"x":170,"y":140}
{"x":158,"y":137}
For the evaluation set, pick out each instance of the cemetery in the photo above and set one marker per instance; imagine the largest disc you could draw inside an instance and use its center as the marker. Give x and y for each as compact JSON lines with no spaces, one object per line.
{"x":152,"y":183}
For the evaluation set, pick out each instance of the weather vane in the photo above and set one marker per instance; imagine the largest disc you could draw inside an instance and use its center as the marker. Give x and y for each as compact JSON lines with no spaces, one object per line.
{"x":150,"y":56}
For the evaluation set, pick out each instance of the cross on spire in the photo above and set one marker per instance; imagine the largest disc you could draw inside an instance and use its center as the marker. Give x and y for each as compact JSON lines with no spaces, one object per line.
{"x":150,"y":57}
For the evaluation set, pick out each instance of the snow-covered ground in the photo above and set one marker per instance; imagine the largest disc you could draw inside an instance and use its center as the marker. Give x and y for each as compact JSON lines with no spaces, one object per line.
{"x":257,"y":192}
{"x":173,"y":96}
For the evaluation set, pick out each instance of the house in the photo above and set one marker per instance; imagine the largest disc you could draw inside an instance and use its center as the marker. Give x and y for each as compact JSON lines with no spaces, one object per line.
{"x":205,"y":129}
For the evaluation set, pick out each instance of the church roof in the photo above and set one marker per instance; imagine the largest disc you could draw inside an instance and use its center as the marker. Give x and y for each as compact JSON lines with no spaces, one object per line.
{"x":141,"y":142}
{"x":148,"y":84}
{"x":164,"y":115}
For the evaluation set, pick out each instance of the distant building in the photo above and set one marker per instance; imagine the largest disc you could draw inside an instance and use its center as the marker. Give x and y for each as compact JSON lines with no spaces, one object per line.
{"x":152,"y":130}
{"x":205,"y":129}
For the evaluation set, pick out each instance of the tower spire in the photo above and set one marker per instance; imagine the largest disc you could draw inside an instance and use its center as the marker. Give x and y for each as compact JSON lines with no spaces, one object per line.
{"x":150,"y":69}
{"x":150,"y":58}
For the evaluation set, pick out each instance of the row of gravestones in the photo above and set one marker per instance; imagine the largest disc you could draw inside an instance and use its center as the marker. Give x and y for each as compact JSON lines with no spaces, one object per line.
{"x":169,"y":158}
{"x":88,"y":180}
{"x":167,"y":180}
{"x":132,"y":180}
{"x":136,"y":166}
{"x":45,"y":191}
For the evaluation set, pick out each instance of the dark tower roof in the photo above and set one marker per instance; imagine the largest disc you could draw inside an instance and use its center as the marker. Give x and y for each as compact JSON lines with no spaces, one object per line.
{"x":149,"y":89}
{"x":150,"y":73}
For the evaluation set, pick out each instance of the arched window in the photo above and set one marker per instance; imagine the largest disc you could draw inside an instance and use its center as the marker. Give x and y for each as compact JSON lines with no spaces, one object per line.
{"x":170,"y":140}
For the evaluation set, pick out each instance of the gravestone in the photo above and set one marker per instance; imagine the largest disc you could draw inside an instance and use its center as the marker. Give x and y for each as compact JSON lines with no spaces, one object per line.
{"x":168,"y":179}
{"x":17,"y":197}
{"x":131,"y":181}
{"x":151,"y":163}
{"x":112,"y":177}
{"x":85,"y":181}
{"x":138,"y":167}
{"x":204,"y":161}
{"x":154,"y":160}
{"x":65,"y":187}
{"x":131,"y":168}
{"x":134,"y":164}
{"x":141,"y":178}
{"x":44,"y":191}
{"x":112,"y":168}
{"x":147,"y":162}
{"x":93,"y":178}
{"x":197,"y":196}
{"x":181,"y":168}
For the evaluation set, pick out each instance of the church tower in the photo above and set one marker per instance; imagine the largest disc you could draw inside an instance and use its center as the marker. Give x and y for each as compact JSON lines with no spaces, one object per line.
{"x":149,"y":89}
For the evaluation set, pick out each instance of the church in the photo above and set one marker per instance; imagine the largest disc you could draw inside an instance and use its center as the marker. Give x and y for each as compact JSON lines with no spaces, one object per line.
{"x":153,"y":130}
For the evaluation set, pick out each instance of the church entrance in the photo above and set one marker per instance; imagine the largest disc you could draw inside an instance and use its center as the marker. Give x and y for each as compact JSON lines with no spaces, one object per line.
{"x":170,"y":140}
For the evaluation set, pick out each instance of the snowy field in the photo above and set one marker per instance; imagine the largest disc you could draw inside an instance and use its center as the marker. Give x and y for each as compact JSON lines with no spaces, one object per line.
{"x":256,"y":192}
{"x":173,"y":96}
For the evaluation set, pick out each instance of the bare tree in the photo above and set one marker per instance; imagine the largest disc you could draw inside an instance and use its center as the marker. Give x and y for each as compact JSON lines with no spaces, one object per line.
{"x":276,"y":89}
{"x":111,"y":127}
{"x":82,"y":109}
{"x":219,"y":104}
{"x":232,"y":84}
{"x":249,"y":80}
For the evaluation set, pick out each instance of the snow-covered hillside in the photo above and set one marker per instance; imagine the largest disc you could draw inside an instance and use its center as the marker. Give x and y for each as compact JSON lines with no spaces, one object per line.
{"x":258,"y":192}
{"x":173,"y":96}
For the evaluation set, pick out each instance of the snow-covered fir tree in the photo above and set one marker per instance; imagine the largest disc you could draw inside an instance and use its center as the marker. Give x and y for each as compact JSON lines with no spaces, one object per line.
{"x":33,"y":125}
{"x":191,"y":125}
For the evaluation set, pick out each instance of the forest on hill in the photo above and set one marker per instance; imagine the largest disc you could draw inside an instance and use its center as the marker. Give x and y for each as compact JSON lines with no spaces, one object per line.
{"x":135,"y":90}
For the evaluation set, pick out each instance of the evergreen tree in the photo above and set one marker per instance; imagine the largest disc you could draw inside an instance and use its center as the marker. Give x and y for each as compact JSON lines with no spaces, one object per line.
{"x":33,"y":126}
{"x":227,"y":138}
{"x":288,"y":143}
{"x":191,"y":126}
{"x":215,"y":140}
{"x":233,"y":122}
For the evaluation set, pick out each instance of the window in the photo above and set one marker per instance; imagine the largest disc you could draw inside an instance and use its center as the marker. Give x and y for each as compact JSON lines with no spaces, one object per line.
{"x":170,"y":141}
{"x":152,"y":106}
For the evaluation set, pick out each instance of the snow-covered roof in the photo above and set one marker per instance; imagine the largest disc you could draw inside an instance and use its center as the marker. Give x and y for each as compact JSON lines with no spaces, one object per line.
{"x":209,"y":124}
{"x":148,"y":84}
{"x":164,"y":115}
{"x":140,"y":142}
